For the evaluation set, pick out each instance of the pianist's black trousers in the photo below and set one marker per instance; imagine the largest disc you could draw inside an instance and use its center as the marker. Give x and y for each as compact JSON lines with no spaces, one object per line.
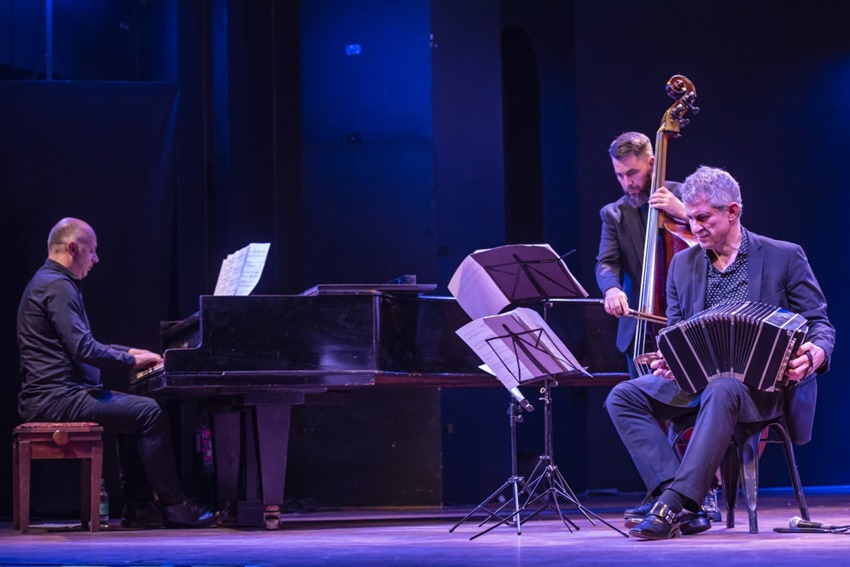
{"x":143,"y":434}
{"x":724,"y":403}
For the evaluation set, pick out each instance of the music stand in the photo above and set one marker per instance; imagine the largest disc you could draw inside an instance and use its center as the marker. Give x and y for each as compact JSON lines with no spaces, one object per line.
{"x":487,"y":281}
{"x":527,"y":351}
{"x":492,"y":279}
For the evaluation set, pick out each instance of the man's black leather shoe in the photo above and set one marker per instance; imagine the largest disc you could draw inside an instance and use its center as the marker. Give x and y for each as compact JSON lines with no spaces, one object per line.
{"x":660,"y":523}
{"x":185,"y":514}
{"x":689,"y":522}
{"x":710,"y":506}
{"x":141,"y":515}
{"x":633,"y":516}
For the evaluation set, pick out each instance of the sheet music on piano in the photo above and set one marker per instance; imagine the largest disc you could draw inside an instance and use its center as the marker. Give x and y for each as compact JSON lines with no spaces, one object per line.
{"x":241,"y":270}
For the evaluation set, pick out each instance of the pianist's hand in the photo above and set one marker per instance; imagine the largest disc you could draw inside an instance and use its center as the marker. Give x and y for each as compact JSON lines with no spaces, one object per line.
{"x":144,"y":358}
{"x":808,"y":358}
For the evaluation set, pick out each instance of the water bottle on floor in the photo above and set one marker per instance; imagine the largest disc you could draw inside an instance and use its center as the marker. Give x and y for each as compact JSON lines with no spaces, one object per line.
{"x":104,"y":506}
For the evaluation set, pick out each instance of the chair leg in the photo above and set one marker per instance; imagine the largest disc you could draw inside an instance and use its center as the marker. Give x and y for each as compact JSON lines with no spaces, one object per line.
{"x":94,"y":485}
{"x":88,"y":521}
{"x":16,"y":494}
{"x":23,"y":486}
{"x":750,"y":478}
{"x":793,"y":472}
{"x":729,"y":475}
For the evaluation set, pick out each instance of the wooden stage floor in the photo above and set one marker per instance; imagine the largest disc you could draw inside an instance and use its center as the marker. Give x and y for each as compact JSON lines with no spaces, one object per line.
{"x":421,"y":537}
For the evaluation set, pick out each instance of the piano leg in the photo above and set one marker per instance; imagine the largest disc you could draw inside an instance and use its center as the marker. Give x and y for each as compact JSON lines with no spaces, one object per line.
{"x":271,"y":427}
{"x":226,"y":436}
{"x":250,"y":441}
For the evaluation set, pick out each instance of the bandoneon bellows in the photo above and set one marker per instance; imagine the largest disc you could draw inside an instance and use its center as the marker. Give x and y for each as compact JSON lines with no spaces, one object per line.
{"x":750,"y":341}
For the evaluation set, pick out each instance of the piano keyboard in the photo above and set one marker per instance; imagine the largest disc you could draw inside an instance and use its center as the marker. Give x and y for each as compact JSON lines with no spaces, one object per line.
{"x":156,"y":368}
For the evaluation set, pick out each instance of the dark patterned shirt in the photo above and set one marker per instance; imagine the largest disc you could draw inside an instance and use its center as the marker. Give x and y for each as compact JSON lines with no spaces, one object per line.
{"x":729,"y":286}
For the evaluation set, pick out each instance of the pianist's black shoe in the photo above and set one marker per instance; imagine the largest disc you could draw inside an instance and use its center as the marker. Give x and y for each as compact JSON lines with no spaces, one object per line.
{"x":660,"y":523}
{"x":141,"y":515}
{"x":186,"y":514}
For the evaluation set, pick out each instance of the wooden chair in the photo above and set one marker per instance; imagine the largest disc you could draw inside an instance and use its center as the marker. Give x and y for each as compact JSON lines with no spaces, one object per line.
{"x":41,"y":440}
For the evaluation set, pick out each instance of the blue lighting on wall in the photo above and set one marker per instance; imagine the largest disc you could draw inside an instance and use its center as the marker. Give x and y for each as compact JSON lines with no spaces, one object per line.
{"x":88,"y":40}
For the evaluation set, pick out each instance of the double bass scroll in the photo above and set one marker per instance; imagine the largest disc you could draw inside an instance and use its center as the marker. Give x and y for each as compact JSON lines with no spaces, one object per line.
{"x":664,"y":236}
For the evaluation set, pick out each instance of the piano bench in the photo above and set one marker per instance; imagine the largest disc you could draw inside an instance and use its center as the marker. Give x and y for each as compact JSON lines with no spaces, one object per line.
{"x":45,"y":440}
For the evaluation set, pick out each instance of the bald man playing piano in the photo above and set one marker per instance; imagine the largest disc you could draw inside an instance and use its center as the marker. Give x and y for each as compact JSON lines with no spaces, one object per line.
{"x":60,"y":370}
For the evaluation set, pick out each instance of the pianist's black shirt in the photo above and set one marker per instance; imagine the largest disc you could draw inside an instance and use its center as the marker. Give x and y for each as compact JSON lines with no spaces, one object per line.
{"x":59,"y":356}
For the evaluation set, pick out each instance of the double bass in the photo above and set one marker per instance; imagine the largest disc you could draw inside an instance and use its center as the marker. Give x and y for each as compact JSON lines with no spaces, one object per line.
{"x":664,"y":235}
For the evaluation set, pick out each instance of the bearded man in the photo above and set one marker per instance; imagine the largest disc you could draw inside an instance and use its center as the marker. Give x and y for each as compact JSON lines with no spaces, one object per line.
{"x":619,"y":264}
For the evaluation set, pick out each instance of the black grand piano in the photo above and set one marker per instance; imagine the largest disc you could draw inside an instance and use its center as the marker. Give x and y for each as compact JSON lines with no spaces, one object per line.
{"x":248,"y":360}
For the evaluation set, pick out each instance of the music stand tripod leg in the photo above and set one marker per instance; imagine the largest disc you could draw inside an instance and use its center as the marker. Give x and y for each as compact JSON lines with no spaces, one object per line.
{"x":556,"y":485}
{"x":515,"y":482}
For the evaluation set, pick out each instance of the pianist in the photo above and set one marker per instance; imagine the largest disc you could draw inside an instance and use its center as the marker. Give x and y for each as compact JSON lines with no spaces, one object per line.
{"x":60,"y":367}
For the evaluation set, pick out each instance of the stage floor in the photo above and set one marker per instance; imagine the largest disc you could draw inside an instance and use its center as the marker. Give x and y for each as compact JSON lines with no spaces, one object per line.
{"x":421,"y":537}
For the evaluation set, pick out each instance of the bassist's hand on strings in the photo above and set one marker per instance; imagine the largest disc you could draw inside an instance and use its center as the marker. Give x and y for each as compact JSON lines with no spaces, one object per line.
{"x":664,"y":200}
{"x":616,"y":302}
{"x":808,"y":358}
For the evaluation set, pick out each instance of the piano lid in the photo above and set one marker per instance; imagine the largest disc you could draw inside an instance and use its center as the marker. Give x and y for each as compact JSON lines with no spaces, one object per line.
{"x":369,"y":289}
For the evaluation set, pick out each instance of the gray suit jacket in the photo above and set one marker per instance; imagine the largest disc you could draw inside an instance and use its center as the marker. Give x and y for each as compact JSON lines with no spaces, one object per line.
{"x":619,"y":262}
{"x":779,"y":274}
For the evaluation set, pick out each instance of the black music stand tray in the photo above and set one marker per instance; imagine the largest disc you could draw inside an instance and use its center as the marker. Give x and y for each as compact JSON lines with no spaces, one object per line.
{"x":529,"y":273}
{"x":487,"y":281}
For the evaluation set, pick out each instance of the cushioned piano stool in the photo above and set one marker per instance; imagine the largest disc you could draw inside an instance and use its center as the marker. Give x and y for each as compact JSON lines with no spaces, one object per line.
{"x":741,"y":465}
{"x":38,"y":440}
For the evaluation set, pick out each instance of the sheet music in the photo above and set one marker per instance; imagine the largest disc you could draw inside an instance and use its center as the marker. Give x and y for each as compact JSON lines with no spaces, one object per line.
{"x":519,"y":347}
{"x":489,"y":280}
{"x":241,"y":270}
{"x":475,"y":290}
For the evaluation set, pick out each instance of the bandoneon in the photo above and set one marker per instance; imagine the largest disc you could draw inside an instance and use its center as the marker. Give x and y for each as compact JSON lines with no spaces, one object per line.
{"x":750,"y":341}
